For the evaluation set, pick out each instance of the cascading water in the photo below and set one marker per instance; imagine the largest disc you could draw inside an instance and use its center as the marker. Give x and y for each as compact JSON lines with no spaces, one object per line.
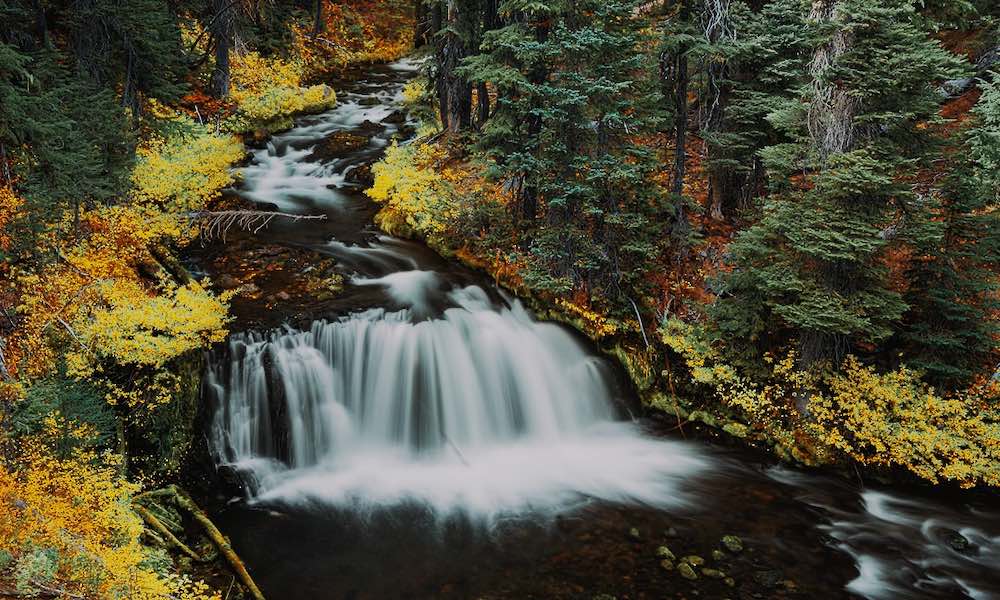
{"x":480,"y":409}
{"x":438,"y":392}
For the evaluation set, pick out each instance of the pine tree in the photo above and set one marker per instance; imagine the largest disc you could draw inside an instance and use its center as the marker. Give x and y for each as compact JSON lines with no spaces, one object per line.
{"x":814,"y":268}
{"x":951,"y":331}
{"x":570,"y":80}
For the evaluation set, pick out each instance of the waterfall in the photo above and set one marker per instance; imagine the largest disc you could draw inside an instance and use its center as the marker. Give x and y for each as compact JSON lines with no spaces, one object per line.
{"x":482,"y":408}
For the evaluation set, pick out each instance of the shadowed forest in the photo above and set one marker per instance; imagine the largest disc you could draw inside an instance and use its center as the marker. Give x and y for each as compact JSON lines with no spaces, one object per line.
{"x":764,"y":227}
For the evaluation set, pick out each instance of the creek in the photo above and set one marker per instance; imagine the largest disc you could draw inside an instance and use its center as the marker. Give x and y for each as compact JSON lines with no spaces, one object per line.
{"x":430,"y":438}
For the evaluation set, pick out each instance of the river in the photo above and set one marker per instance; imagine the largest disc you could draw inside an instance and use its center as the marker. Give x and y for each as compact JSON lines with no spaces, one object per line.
{"x":429,"y":438}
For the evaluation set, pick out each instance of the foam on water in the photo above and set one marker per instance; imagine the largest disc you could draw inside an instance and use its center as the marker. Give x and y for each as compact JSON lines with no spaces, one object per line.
{"x":482,"y":410}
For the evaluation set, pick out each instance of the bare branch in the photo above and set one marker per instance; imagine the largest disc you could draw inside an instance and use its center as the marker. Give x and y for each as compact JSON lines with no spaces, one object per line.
{"x":216,"y":224}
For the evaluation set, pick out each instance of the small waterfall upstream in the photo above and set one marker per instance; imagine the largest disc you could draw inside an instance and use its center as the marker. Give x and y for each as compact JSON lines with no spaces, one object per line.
{"x":482,"y":409}
{"x":429,"y":389}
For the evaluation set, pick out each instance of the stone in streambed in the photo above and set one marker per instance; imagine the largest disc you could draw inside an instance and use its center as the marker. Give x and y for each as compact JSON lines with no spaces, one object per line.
{"x":687,"y":571}
{"x":732,"y":543}
{"x":395,"y":118}
{"x":337,"y":144}
{"x":718,"y":555}
{"x":713,"y":573}
{"x":667,"y":564}
{"x":693,"y":560}
{"x":634,"y":535}
{"x":958,"y":542}
{"x":664,"y":552}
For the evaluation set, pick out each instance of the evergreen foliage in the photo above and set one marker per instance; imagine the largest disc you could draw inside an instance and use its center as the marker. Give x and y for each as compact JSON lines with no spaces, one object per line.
{"x":815,"y":268}
{"x":572,"y":96}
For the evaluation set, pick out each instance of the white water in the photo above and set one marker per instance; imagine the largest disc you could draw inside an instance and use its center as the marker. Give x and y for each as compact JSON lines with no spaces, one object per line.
{"x":482,"y":410}
{"x":478,"y":409}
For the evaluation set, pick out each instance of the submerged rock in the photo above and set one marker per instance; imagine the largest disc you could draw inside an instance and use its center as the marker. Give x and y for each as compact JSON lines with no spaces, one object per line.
{"x":694,"y":560}
{"x":958,"y":542}
{"x":732,"y":543}
{"x":667,"y":564}
{"x":770,"y":578}
{"x":686,"y":571}
{"x":713,"y":573}
{"x":664,"y":552}
{"x":718,"y":555}
{"x":634,"y":535}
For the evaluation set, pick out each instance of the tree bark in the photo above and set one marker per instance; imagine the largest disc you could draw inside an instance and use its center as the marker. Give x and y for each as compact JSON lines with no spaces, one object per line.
{"x":318,"y":23}
{"x":222,"y":31}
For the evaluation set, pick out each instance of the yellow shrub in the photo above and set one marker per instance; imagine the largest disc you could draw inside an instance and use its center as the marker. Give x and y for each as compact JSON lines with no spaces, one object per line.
{"x":67,"y":524}
{"x":133,"y":330}
{"x":266,"y":89}
{"x":895,"y":419}
{"x":416,"y":193}
{"x":855,"y":413}
{"x":186,"y":171}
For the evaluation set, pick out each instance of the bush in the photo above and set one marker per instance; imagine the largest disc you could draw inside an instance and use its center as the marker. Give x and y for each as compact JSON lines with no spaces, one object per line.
{"x":854,"y":413}
{"x":187,"y":170}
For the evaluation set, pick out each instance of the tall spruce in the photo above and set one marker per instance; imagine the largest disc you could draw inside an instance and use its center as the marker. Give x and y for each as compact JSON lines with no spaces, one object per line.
{"x":951,"y":332}
{"x":815,"y":269}
{"x":572,"y":96}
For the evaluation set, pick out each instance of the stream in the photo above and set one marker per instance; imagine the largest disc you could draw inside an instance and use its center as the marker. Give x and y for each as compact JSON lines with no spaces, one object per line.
{"x":427,"y":437}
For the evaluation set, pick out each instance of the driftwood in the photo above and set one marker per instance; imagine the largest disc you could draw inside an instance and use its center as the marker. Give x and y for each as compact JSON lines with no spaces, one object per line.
{"x":164,"y":531}
{"x":181,"y":498}
{"x":216,"y":224}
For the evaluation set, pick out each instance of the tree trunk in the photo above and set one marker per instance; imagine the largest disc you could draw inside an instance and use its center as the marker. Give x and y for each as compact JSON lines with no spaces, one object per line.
{"x":674,"y":74}
{"x":222,"y":31}
{"x":831,"y":112}
{"x":422,"y":27}
{"x":318,"y":23}
{"x":459,"y":91}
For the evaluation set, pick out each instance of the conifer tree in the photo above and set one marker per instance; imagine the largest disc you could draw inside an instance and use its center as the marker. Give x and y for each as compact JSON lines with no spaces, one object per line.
{"x":570,"y":79}
{"x":814,"y":269}
{"x":951,"y":330}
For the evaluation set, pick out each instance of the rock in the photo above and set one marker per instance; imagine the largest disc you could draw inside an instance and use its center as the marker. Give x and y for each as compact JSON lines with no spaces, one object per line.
{"x":670,"y":532}
{"x":718,"y":555}
{"x":729,"y":581}
{"x":283,"y":296}
{"x":370,"y":128}
{"x":686,"y":571}
{"x":604,"y":597}
{"x":668,"y":565}
{"x":249,"y":288}
{"x":693,"y":560}
{"x":361,"y":174}
{"x":336,"y":145}
{"x":958,"y":542}
{"x":634,"y":535}
{"x":732,"y":543}
{"x":395,"y":118}
{"x":227,"y":282}
{"x":769,"y":578}
{"x":713,"y":573}
{"x":664,"y":552}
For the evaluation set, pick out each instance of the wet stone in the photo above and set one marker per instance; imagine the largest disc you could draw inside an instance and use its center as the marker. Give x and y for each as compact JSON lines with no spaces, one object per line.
{"x":732,"y":543}
{"x":713,"y":573}
{"x":770,"y":578}
{"x":667,"y":564}
{"x":634,"y":535}
{"x":718,"y":555}
{"x":958,"y":542}
{"x":694,"y":560}
{"x":664,"y":552}
{"x":687,"y":571}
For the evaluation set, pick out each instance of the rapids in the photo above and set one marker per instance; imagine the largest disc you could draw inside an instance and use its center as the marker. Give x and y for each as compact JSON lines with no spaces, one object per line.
{"x":439,"y":419}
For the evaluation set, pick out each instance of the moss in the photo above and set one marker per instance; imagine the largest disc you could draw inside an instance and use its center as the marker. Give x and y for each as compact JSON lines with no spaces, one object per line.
{"x":161,"y":440}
